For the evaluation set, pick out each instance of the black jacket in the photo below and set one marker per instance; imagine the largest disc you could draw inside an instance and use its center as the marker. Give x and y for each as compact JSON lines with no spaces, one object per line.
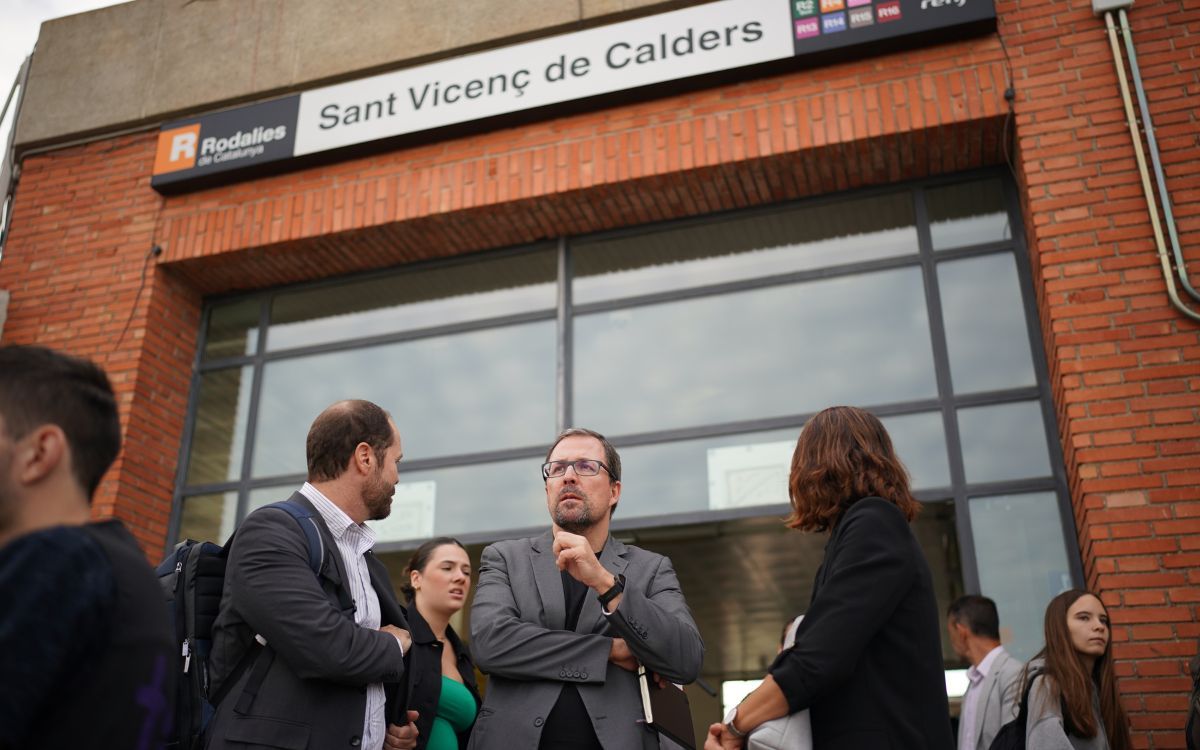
{"x":314,"y":694}
{"x":868,"y":657}
{"x":424,"y":667}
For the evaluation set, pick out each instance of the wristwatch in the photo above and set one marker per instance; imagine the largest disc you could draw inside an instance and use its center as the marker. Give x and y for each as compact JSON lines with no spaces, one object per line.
{"x":729,"y":727}
{"x":617,"y":588}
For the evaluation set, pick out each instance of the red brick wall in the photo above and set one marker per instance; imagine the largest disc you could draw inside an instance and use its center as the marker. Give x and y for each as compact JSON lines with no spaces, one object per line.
{"x":1124,"y":365}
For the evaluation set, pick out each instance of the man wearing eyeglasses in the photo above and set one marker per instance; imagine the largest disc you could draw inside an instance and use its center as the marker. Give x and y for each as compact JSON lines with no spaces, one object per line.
{"x":560,"y":621}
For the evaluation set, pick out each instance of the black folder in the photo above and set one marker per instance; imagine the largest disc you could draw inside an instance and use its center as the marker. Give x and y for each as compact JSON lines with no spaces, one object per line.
{"x":667,"y":710}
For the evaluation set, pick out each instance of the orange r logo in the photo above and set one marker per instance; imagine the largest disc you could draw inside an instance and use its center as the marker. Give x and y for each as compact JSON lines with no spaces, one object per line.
{"x":177,"y":149}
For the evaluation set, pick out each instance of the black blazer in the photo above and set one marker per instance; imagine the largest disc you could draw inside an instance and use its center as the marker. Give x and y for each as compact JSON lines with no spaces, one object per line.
{"x":868,"y":657}
{"x":424,"y":666}
{"x":314,"y":692}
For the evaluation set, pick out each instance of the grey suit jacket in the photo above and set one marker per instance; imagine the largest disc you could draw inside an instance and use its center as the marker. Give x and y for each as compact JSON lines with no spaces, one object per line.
{"x":998,"y":698}
{"x":517,"y":637}
{"x":313,"y":694}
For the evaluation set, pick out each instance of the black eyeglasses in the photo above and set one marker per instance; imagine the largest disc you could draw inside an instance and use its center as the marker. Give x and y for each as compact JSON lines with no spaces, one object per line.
{"x":584,"y":467}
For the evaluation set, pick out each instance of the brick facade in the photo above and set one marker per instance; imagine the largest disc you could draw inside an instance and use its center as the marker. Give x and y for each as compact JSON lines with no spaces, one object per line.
{"x":1124,"y":366}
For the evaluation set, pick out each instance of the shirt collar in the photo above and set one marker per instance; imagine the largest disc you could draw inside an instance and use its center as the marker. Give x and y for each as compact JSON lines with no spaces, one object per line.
{"x":986,"y":665}
{"x":336,"y":519}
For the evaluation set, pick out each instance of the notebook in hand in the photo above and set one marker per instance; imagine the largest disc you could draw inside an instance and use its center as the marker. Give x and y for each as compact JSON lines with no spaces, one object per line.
{"x":667,"y":710}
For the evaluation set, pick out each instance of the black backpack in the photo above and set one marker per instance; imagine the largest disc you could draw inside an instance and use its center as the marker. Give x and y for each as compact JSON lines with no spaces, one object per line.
{"x":193,"y":577}
{"x":1012,"y":735}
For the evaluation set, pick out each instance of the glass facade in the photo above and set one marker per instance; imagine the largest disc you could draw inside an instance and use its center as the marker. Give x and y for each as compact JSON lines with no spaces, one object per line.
{"x":699,"y":347}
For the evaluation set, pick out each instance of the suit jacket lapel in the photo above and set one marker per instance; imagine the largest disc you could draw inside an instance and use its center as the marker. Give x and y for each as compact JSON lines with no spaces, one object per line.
{"x":591,"y":618}
{"x":549,"y":581}
{"x":389,"y":609}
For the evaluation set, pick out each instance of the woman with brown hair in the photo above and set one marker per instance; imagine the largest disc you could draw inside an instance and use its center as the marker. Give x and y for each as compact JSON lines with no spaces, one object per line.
{"x":867,"y":660}
{"x":1073,"y":704}
{"x":441,"y":677}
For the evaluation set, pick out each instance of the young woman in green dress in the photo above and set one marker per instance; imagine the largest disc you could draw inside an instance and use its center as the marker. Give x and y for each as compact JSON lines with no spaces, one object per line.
{"x":441,"y":677}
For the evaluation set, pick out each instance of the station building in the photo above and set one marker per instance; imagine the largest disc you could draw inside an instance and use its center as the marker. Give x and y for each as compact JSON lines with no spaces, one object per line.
{"x":687,"y":225}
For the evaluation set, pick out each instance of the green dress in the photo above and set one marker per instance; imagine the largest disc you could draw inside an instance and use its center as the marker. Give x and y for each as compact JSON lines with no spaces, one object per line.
{"x":455,"y":712}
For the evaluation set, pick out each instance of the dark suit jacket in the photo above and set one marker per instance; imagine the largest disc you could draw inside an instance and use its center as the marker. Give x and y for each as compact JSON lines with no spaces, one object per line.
{"x":424,"y":686}
{"x":517,"y":638}
{"x":314,"y":694}
{"x":868,"y":660}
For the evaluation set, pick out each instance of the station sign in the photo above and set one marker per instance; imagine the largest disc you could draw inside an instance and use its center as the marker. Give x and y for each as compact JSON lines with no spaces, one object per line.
{"x":538,"y":78}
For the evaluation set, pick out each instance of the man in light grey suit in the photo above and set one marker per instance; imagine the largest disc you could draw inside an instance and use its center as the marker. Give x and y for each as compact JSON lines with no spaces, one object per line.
{"x":560,"y":621}
{"x":991,"y":698}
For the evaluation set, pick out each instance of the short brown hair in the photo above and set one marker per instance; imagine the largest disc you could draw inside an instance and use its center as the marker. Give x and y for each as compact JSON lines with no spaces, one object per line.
{"x":41,"y":386}
{"x":338,"y":430}
{"x":843,"y":455}
{"x":611,"y":458}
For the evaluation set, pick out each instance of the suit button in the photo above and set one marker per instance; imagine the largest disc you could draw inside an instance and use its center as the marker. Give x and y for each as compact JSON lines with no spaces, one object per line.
{"x":584,"y":675}
{"x":562,"y":673}
{"x":539,"y":721}
{"x":355,"y":741}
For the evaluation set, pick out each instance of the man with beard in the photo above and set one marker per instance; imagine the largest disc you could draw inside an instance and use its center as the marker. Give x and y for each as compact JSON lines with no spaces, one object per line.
{"x":86,"y":642}
{"x":560,"y":621}
{"x":314,"y":660}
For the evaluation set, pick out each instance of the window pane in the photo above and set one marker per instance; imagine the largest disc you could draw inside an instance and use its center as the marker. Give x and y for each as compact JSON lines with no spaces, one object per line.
{"x":985,"y":324}
{"x":970,"y":213}
{"x":691,"y":476}
{"x":493,"y":498}
{"x":790,"y":349}
{"x":450,"y":395}
{"x":730,"y":249}
{"x":222,"y":410}
{"x":750,"y":469}
{"x":1005,"y":441}
{"x":1022,"y":562}
{"x":232,"y":329}
{"x":208,"y":518}
{"x":920,"y":441}
{"x":410,"y":300}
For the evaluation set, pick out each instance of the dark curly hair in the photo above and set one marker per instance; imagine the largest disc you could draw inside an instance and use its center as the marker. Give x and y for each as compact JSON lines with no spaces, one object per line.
{"x":843,"y":455}
{"x":420,"y":559}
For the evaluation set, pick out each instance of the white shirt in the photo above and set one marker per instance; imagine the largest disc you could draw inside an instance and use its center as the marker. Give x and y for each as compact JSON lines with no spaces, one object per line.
{"x":966,"y":720}
{"x":353,"y":541}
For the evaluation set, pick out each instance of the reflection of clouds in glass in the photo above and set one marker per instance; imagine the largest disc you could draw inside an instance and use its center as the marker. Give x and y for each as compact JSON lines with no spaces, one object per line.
{"x":970,"y":213}
{"x":410,"y":316}
{"x":1004,"y":441}
{"x":763,"y":262}
{"x":470,"y":392}
{"x":920,"y":441}
{"x":761,"y":353}
{"x":985,"y":324}
{"x":673,"y":477}
{"x":1022,"y":562}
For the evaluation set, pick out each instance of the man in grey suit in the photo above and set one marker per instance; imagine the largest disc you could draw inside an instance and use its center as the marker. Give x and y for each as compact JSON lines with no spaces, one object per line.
{"x":560,"y":621}
{"x":312,"y":660}
{"x":991,"y":698}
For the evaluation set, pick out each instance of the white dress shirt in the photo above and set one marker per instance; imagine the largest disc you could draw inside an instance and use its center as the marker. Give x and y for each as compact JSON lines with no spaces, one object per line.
{"x":353,"y":541}
{"x":970,"y":706}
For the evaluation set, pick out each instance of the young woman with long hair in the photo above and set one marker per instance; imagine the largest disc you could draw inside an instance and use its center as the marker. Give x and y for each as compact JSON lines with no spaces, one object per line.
{"x":1073,"y":704}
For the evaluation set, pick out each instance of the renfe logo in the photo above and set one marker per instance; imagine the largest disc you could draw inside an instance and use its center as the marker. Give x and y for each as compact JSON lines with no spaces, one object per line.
{"x":177,"y":149}
{"x":926,"y":4}
{"x":889,"y":11}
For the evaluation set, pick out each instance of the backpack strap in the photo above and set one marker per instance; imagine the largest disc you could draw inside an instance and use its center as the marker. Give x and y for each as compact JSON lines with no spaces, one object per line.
{"x":304,"y":517}
{"x":1023,"y":713}
{"x":260,"y":653}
